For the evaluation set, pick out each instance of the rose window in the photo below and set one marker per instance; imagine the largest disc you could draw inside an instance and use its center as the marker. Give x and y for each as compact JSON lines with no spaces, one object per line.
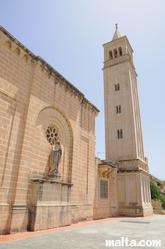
{"x":52,"y":135}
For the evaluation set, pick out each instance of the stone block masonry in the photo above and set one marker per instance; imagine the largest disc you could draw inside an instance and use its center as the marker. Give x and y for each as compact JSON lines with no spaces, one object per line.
{"x":33,"y":97}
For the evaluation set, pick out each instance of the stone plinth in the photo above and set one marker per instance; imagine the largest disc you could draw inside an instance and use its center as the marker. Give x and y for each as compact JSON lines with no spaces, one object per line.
{"x":19,"y":218}
{"x":48,"y":204}
{"x":134,"y":194}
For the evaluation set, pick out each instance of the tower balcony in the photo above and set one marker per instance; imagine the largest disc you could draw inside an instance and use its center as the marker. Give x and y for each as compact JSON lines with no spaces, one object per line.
{"x":132,"y":164}
{"x":118,"y":60}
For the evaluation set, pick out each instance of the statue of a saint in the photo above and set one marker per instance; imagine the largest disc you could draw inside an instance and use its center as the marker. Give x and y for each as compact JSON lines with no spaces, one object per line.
{"x":55,"y":157}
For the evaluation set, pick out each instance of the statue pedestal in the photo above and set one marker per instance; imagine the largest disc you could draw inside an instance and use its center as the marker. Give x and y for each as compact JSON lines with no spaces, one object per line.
{"x":49,"y":203}
{"x":54,"y":177}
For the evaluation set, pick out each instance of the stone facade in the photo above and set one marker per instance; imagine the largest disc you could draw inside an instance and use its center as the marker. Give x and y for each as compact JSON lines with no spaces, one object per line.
{"x":33,"y":98}
{"x":49,"y":176}
{"x":106,"y":193}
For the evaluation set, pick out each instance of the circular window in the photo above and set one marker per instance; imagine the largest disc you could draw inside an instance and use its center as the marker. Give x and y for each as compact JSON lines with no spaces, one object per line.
{"x":52,"y":135}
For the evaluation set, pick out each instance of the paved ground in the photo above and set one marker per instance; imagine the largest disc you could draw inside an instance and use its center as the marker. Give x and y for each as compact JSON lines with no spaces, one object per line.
{"x":90,"y":235}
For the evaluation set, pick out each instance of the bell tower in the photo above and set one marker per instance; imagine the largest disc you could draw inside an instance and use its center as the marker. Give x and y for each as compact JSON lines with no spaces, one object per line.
{"x":123,"y":132}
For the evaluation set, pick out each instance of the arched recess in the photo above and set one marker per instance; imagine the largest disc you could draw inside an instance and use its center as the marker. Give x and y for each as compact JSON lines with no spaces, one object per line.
{"x":49,"y":116}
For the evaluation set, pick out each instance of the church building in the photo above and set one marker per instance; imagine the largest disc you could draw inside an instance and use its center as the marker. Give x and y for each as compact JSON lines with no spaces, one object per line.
{"x":49,"y":176}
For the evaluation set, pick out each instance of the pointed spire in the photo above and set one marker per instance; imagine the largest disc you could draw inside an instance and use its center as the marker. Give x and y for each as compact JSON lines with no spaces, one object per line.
{"x":117,"y":33}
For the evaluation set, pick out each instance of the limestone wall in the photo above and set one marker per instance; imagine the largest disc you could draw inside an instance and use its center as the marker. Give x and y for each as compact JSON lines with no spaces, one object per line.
{"x":33,"y":96}
{"x":106,"y":194}
{"x":157,"y":207}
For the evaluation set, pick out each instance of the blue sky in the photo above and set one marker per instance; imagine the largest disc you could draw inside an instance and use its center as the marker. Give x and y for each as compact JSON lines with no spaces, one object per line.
{"x":69,"y":36}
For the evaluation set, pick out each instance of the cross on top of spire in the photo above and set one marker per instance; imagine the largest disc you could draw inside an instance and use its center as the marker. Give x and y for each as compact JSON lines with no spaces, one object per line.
{"x":117,"y":33}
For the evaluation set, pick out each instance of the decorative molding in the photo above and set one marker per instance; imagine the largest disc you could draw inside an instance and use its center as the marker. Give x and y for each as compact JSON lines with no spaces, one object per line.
{"x":105,"y":170}
{"x":132,"y":164}
{"x":118,"y":60}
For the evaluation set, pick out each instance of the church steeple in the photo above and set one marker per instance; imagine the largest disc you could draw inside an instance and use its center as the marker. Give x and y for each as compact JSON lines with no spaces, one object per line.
{"x":117,"y":33}
{"x":123,"y":131}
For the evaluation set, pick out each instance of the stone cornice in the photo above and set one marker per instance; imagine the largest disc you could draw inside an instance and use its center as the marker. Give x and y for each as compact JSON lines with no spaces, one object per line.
{"x":132,"y":164}
{"x":116,"y":61}
{"x":46,"y":67}
{"x":119,"y":60}
{"x":16,"y":42}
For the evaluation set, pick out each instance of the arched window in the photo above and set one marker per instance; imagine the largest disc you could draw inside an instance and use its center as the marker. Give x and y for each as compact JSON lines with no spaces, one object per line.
{"x":110,"y":55}
{"x":115,"y":53}
{"x":120,"y":51}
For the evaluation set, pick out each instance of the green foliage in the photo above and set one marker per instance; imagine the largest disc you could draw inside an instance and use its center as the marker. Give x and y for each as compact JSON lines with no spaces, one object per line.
{"x":155,"y":191}
{"x":156,"y":194}
{"x":160,"y":184}
{"x":162,"y":199}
